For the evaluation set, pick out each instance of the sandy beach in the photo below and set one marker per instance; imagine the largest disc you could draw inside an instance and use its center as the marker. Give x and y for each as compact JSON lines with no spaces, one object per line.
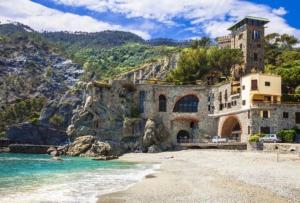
{"x":214,"y":176}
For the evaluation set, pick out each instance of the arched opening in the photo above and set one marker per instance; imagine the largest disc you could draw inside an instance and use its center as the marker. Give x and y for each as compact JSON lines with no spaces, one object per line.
{"x":162,"y":103}
{"x":187,"y":104}
{"x":183,"y":136}
{"x":231,"y":129}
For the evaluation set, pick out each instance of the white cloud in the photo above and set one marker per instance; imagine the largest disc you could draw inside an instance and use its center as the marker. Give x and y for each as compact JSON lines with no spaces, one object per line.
{"x":279,"y":11}
{"x":42,"y":18}
{"x":212,"y":16}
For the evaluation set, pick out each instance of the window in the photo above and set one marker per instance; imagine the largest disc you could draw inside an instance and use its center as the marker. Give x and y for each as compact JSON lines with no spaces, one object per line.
{"x":297,"y":115}
{"x":265,"y":114}
{"x":268,"y":84}
{"x":243,"y":87}
{"x":187,"y":104}
{"x":162,"y":103}
{"x":208,"y":98}
{"x":241,"y":46}
{"x":256,"y":35}
{"x":254,"y":85}
{"x":258,"y":45}
{"x":285,"y":114}
{"x":208,"y":107}
{"x":221,"y":107}
{"x":244,"y":102}
{"x":226,"y":95}
{"x":255,"y":57}
{"x":265,"y":130}
{"x":192,"y":125}
{"x":220,"y":96}
{"x":142,"y":101}
{"x":241,"y":36}
{"x":249,"y":130}
{"x":249,"y":114}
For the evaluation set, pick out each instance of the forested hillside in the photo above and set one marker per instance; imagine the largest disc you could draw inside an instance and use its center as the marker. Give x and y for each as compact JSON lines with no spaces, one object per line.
{"x":109,"y":53}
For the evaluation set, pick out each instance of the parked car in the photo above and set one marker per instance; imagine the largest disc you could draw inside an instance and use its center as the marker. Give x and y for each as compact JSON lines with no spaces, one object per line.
{"x":218,"y":139}
{"x":270,"y":138}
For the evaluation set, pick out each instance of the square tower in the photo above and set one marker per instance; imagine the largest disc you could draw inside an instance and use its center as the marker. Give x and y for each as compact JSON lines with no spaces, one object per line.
{"x":248,"y":35}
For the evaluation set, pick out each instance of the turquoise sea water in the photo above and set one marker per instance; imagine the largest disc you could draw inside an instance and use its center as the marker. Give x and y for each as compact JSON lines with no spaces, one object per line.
{"x":37,"y":178}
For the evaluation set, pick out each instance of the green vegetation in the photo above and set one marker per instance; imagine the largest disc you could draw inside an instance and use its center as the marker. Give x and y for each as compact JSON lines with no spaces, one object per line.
{"x":135,"y":112}
{"x":254,"y":137}
{"x":197,"y":63}
{"x":56,"y":119}
{"x":283,"y":59}
{"x":287,"y":136}
{"x":105,"y":63}
{"x":21,"y":111}
{"x":290,"y":98}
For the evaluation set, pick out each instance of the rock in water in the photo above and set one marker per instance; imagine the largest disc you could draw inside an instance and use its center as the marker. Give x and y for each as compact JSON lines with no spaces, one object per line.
{"x":105,"y":158}
{"x":89,"y":146}
{"x":99,"y":148}
{"x":81,"y":145}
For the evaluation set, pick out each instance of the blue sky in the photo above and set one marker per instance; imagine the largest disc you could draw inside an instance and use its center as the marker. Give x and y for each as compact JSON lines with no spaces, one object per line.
{"x":178,"y":19}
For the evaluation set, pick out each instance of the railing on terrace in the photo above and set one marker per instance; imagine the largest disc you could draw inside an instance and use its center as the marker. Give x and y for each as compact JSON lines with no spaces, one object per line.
{"x":200,"y":141}
{"x":265,"y":103}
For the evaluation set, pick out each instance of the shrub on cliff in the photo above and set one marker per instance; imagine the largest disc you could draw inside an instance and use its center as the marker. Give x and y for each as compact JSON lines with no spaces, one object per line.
{"x":56,"y":119}
{"x":287,"y":135}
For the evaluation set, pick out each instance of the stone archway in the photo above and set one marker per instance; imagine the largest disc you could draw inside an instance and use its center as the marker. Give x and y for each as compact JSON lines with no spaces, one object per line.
{"x":183,"y":136}
{"x":232,"y":129}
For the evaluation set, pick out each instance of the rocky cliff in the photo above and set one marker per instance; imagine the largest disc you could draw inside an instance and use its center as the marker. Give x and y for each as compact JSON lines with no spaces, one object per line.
{"x":156,"y":70}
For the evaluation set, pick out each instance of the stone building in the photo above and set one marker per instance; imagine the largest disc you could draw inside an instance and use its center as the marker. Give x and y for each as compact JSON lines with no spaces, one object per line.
{"x":247,"y":35}
{"x":191,"y":113}
{"x":233,"y":110}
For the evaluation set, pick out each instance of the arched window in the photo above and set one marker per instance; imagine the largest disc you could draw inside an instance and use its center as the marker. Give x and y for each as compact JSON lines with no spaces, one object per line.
{"x":187,"y":104}
{"x":162,"y":103}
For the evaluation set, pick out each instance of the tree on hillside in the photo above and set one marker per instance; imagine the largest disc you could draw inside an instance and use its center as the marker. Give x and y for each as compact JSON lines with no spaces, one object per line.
{"x":223,"y":60}
{"x":276,"y":44}
{"x":192,"y":65}
{"x":203,"y":42}
{"x":283,"y":59}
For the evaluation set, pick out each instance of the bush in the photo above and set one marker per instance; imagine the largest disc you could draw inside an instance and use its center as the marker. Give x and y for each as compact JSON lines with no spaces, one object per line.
{"x":56,"y":119}
{"x":255,"y":137}
{"x":135,"y":112}
{"x":287,"y":135}
{"x":290,"y":97}
{"x":34,"y":121}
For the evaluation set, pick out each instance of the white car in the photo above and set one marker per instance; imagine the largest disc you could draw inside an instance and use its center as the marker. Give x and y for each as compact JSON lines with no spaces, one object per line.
{"x":218,"y":139}
{"x":270,"y":138}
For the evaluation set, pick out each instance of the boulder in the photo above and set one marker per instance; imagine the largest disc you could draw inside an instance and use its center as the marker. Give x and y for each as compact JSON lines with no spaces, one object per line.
{"x":51,"y":149}
{"x":150,"y":137}
{"x":154,"y":149}
{"x":105,"y":158}
{"x":99,"y":148}
{"x":80,"y":145}
{"x":54,"y":153}
{"x":89,"y":146}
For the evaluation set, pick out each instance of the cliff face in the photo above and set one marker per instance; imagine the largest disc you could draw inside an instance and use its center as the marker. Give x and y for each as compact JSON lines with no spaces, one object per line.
{"x":157,"y":70}
{"x":110,"y":114}
{"x":31,"y":69}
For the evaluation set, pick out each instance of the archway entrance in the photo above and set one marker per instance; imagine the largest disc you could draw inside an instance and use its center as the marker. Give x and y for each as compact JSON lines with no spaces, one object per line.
{"x":231,"y":129}
{"x":183,"y":136}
